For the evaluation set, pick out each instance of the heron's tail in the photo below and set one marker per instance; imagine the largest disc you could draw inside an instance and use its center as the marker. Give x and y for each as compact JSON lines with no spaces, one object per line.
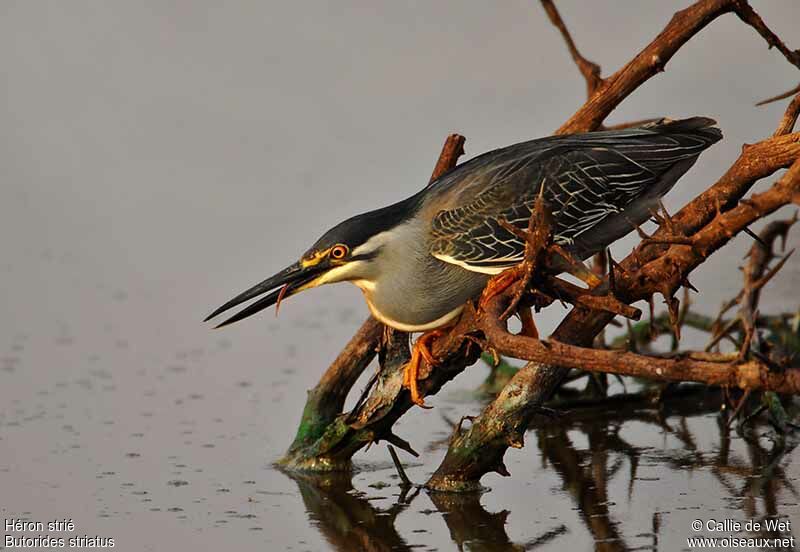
{"x":703,"y":128}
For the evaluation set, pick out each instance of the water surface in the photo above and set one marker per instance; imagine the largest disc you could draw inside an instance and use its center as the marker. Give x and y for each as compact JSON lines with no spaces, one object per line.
{"x":158,"y":157}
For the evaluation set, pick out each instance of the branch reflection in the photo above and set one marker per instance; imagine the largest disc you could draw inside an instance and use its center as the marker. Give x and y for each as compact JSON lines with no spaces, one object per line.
{"x":586,"y":449}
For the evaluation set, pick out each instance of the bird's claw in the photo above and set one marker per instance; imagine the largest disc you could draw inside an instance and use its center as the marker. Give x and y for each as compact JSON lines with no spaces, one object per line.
{"x":421,"y":351}
{"x":497,"y":285}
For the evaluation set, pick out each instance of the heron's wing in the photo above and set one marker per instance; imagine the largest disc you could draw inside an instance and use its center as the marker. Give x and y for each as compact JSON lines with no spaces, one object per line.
{"x":586,"y":179}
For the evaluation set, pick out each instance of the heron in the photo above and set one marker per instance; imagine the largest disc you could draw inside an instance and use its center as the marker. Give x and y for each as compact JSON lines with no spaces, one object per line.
{"x":419,"y":261}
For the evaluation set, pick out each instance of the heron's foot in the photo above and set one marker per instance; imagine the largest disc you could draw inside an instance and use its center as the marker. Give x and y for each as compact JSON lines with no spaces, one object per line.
{"x":497,"y":285}
{"x":421,"y":351}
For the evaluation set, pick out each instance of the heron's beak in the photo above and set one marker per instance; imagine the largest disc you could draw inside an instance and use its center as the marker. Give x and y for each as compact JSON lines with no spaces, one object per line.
{"x":285,"y":283}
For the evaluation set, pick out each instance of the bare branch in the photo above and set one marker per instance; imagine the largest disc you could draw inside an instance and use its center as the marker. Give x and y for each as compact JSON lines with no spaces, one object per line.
{"x":650,"y":61}
{"x":660,"y":265}
{"x":779,"y":97}
{"x":747,"y":375}
{"x":452,"y":149}
{"x":747,"y":14}
{"x":789,"y":117}
{"x":589,"y":69}
{"x":654,"y":57}
{"x":710,"y":220}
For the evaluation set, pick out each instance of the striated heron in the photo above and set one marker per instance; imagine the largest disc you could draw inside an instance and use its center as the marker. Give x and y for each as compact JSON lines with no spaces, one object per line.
{"x":420,"y":260}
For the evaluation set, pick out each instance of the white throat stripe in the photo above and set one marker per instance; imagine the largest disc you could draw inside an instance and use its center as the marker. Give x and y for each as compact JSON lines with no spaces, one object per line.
{"x":373,"y":244}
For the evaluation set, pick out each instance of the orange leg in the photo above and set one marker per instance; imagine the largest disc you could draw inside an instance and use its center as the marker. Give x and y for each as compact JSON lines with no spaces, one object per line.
{"x":421,"y":351}
{"x":498,"y":284}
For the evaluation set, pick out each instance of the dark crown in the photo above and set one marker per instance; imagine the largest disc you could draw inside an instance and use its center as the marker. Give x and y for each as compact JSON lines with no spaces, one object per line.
{"x":357,"y":230}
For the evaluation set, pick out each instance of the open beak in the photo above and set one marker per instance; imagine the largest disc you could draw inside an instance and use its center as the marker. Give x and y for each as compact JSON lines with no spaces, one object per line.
{"x":284,"y":284}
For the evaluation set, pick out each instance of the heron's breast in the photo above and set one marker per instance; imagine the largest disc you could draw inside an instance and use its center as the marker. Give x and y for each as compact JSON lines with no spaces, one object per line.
{"x":425,"y":299}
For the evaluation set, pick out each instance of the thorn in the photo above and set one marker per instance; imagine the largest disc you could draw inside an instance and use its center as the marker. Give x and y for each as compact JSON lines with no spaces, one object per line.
{"x":502,"y":469}
{"x":461,"y":422}
{"x":516,"y":441}
{"x":400,"y":443}
{"x":687,"y":284}
{"x":641,"y":232}
{"x":674,"y":307}
{"x":612,"y":280}
{"x":779,"y":96}
{"x":658,"y":219}
{"x":621,"y":381}
{"x":406,"y":482}
{"x":616,"y":265}
{"x":755,"y":236}
{"x":667,"y":216}
{"x":761,"y":282}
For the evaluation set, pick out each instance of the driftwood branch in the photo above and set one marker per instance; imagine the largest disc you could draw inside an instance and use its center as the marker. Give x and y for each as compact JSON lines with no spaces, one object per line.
{"x":753,"y":374}
{"x":326,"y":401}
{"x":659,"y":264}
{"x":480,"y":449}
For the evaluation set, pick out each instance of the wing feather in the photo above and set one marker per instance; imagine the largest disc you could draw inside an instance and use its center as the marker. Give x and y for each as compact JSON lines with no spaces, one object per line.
{"x":587,"y":179}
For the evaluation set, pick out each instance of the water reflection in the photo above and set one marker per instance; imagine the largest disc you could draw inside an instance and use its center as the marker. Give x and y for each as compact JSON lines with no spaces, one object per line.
{"x":349,"y":521}
{"x":586,"y":449}
{"x":345,"y":517}
{"x":472,"y":527}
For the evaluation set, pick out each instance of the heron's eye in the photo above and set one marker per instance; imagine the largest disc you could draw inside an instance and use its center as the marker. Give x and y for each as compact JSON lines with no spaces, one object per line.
{"x":339,"y":252}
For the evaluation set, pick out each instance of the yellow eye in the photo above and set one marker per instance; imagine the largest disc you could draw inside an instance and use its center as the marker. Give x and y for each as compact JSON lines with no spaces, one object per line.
{"x":339,"y":252}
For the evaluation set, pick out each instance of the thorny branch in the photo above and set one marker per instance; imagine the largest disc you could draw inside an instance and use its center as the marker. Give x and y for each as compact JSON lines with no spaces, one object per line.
{"x":660,"y":264}
{"x":589,"y":69}
{"x":647,"y":270}
{"x":654,"y":57}
{"x":756,"y":275}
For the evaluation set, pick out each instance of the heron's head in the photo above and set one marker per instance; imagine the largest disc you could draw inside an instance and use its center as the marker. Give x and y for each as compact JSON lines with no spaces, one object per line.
{"x":350,"y":251}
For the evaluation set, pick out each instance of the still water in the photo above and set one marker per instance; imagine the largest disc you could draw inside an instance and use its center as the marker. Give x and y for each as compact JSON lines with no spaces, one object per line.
{"x":151,"y":458}
{"x":158,"y":157}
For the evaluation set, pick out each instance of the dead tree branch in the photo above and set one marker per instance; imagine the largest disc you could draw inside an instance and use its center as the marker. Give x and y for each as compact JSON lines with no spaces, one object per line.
{"x":746,"y":375}
{"x":589,"y":69}
{"x":790,"y":117}
{"x":654,"y":57}
{"x":481,"y":448}
{"x":660,"y":264}
{"x":781,"y":96}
